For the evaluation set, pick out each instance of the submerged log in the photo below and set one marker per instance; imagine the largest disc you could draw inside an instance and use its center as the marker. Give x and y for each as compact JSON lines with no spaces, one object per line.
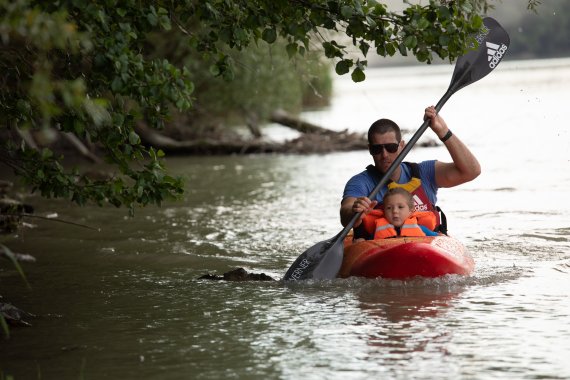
{"x":314,"y":139}
{"x":206,"y":145}
{"x":81,"y":148}
{"x":288,"y":120}
{"x":15,"y":316}
{"x":238,"y":274}
{"x":319,"y":143}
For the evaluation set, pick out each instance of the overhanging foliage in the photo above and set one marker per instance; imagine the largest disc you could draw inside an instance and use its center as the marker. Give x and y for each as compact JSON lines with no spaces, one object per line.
{"x":88,"y":69}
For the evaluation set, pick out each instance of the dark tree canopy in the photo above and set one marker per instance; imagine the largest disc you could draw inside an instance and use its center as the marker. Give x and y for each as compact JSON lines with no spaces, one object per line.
{"x":92,"y":70}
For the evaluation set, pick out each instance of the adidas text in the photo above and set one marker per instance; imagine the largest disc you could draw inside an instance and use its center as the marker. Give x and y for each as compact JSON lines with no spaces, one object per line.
{"x":495,"y":53}
{"x":422,"y":207}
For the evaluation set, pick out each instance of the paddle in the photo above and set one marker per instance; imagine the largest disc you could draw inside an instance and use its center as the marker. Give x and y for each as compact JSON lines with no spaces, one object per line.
{"x":324,"y":259}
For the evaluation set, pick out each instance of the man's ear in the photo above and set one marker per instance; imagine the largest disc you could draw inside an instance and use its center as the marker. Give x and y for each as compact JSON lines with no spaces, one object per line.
{"x":402,"y":143}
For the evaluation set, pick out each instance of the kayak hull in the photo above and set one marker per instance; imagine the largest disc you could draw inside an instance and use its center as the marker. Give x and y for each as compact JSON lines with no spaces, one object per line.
{"x":406,"y":257}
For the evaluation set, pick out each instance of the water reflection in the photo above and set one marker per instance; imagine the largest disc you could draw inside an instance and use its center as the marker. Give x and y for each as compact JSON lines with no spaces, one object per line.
{"x":400,"y":304}
{"x":410,"y":323}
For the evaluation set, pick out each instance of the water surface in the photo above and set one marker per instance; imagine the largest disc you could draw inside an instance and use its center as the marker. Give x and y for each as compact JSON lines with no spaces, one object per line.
{"x":126,"y":302}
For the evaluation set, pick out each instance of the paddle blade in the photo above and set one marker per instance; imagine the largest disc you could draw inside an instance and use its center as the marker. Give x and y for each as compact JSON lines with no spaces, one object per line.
{"x":320,"y":262}
{"x":493,"y":44}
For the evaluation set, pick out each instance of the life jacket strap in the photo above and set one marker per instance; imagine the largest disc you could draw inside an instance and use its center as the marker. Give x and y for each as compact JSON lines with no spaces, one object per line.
{"x":442,"y":221}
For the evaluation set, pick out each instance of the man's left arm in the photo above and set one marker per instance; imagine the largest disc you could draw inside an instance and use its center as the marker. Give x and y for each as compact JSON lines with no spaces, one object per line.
{"x":464,"y":167}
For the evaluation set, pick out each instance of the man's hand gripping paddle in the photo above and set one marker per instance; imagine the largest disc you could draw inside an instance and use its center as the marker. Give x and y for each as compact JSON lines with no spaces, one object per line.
{"x":324,"y":259}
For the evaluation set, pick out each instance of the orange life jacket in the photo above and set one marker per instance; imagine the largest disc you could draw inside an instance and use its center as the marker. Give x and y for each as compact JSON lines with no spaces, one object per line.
{"x":375,"y":224}
{"x":421,"y":201}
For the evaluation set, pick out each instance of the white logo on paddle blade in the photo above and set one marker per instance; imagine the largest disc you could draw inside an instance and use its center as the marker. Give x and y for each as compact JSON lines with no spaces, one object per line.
{"x":491,"y":50}
{"x":495,"y":53}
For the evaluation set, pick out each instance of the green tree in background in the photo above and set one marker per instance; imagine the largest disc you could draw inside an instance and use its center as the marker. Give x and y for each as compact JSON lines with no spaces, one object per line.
{"x":544,"y":33}
{"x":264,"y":79}
{"x":93,"y":70}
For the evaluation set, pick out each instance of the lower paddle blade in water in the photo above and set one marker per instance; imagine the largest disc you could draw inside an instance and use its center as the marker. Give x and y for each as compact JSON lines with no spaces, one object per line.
{"x":321,"y":261}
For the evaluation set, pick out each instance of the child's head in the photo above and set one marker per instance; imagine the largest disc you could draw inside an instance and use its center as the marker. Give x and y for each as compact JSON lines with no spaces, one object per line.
{"x":398,"y":206}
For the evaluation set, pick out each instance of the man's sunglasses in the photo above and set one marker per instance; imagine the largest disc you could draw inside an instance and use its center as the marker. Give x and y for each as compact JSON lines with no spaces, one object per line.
{"x":377,"y":148}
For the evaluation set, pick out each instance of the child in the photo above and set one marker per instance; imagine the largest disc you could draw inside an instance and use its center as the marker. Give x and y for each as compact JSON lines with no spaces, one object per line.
{"x":399,"y":217}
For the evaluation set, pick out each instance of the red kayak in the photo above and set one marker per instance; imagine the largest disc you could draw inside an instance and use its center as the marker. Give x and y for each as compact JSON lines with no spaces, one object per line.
{"x":405,"y":257}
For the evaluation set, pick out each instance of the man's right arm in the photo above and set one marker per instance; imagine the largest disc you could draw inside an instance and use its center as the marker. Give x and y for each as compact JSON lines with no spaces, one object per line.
{"x":346,"y":212}
{"x":355,"y":199}
{"x":351,"y":205}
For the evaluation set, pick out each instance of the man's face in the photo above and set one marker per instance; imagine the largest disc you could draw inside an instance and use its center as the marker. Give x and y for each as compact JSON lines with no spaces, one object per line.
{"x":384,"y":158}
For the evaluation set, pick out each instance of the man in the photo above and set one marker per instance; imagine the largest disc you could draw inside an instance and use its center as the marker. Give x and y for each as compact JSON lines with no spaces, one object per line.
{"x":422,"y":180}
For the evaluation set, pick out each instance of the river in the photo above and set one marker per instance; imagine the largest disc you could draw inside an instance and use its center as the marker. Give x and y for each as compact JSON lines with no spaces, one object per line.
{"x":126,"y":302}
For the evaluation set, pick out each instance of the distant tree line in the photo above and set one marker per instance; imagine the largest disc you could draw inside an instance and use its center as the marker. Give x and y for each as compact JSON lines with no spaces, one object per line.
{"x":544,"y":33}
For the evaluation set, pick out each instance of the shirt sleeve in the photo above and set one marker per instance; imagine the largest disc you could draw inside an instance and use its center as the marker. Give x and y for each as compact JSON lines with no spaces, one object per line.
{"x":356,"y":187}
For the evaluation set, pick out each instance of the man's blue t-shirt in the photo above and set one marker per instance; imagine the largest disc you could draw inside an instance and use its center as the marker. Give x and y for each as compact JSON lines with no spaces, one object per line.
{"x":362,"y":184}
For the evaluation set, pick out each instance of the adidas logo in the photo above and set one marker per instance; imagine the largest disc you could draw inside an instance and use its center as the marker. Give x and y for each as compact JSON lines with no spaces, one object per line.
{"x":419,"y":205}
{"x":495,"y":53}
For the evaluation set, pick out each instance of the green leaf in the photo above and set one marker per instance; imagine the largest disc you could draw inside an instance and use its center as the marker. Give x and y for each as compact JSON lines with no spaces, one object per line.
{"x":269,"y":35}
{"x":364,"y":47}
{"x":443,"y":13}
{"x":477,"y":22}
{"x":117,"y":84}
{"x":330,"y":50}
{"x":46,"y":153}
{"x":423,"y":23}
{"x":346,"y":11}
{"x":358,"y":75}
{"x":291,"y":49}
{"x":228,"y":74}
{"x":466,"y":6}
{"x":215,"y":70}
{"x":423,"y":55}
{"x":402,"y":49}
{"x":410,"y":42}
{"x":358,"y":7}
{"x":381,"y":50}
{"x":165,"y":23}
{"x":152,"y":19}
{"x":343,"y":67}
{"x":134,"y":139}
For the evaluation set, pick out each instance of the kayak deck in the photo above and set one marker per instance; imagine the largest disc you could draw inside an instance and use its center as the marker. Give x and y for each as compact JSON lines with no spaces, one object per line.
{"x":406,"y":257}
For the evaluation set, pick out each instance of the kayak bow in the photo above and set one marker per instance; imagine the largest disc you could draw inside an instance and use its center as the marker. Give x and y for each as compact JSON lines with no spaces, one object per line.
{"x":406,"y":257}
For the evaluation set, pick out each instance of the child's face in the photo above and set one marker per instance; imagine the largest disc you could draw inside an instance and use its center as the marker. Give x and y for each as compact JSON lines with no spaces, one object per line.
{"x":396,"y":209}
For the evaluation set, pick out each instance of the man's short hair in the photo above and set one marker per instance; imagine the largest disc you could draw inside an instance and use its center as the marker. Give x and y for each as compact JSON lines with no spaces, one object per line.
{"x":383,"y":126}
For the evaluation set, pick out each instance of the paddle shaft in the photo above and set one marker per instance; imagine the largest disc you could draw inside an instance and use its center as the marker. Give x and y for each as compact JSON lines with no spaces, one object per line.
{"x":396,"y":163}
